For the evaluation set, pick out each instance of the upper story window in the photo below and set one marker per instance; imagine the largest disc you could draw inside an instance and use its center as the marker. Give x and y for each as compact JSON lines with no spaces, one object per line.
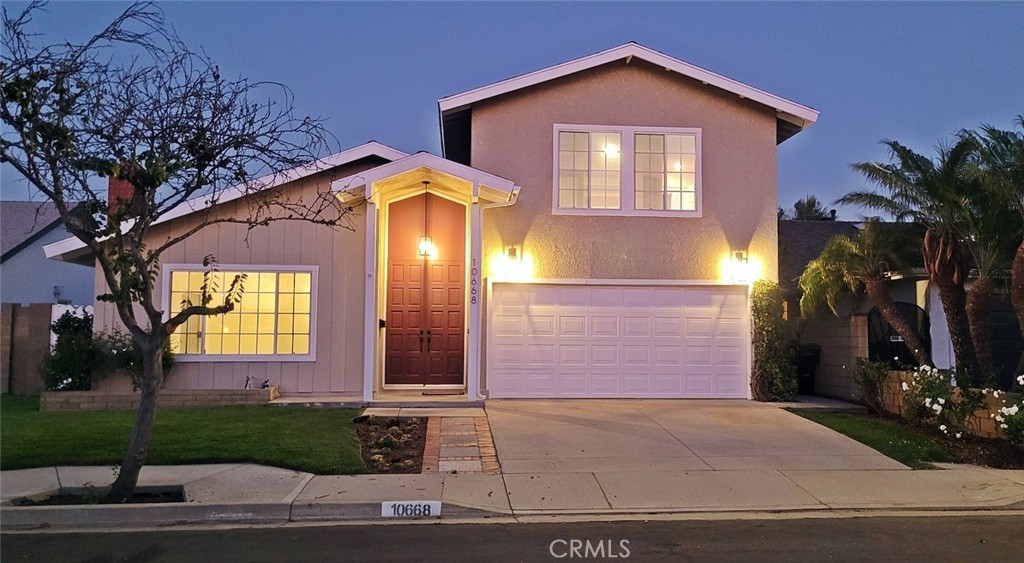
{"x":273,"y":321}
{"x":645,"y":171}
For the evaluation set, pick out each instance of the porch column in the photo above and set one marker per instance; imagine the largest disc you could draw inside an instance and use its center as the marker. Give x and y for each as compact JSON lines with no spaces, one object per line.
{"x":370,"y":314}
{"x":474,"y":339}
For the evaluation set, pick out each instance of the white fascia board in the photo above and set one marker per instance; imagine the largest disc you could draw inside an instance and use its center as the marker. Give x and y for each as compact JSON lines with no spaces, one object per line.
{"x":59,"y":249}
{"x":425,"y":160}
{"x":789,"y":110}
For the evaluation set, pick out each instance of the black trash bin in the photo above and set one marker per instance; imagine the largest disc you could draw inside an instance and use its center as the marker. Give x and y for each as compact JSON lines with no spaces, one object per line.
{"x":808,"y":356}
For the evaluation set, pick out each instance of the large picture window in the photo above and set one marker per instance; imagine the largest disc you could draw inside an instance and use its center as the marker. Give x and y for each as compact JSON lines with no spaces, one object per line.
{"x":616,"y":170}
{"x":274,"y":318}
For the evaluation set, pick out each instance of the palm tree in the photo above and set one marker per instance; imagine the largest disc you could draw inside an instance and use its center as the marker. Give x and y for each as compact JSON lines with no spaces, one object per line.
{"x":931,"y":193}
{"x":810,"y":209}
{"x":848,"y":265}
{"x":1002,"y":167}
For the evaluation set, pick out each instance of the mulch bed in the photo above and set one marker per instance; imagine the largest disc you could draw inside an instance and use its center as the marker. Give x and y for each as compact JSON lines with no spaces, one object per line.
{"x":985,"y":452}
{"x":392,"y":444}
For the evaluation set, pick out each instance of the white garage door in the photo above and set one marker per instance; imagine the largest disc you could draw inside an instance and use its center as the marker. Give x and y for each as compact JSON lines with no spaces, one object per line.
{"x":551,"y":340}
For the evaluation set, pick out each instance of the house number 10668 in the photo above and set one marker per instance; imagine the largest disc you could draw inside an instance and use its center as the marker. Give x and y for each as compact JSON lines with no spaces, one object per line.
{"x":410,"y":509}
{"x":474,"y":272}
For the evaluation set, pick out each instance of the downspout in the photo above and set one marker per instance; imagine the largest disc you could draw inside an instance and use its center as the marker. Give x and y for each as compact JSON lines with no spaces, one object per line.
{"x":475,"y":392}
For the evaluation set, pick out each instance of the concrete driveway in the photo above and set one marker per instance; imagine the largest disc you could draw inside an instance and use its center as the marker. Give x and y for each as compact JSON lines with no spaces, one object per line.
{"x":585,"y":436}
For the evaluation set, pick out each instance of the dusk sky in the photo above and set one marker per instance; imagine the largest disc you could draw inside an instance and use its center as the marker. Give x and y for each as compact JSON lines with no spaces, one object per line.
{"x":913,"y":72}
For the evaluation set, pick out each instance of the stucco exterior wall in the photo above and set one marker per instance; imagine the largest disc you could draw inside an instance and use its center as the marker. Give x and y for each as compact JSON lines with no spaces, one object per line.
{"x":512,"y":136}
{"x":340,"y":256}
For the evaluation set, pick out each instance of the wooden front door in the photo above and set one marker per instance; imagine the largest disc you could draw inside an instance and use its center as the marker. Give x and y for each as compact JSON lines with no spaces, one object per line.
{"x":425,"y":325}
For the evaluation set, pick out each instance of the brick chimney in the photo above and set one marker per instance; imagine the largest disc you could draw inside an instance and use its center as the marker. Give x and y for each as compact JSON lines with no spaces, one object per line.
{"x":119,"y":193}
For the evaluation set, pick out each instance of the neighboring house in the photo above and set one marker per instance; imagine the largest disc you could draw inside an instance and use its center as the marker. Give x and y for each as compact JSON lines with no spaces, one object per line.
{"x":858,"y":332}
{"x":26,"y":276}
{"x":590,"y":232}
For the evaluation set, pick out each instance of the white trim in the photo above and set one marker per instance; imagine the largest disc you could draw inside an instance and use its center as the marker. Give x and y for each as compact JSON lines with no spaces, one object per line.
{"x":789,"y":110}
{"x":165,"y":296}
{"x":60,"y":249}
{"x":627,"y":174}
{"x":372,"y":332}
{"x":427,"y":161}
{"x":640,"y":282}
{"x":474,"y":317}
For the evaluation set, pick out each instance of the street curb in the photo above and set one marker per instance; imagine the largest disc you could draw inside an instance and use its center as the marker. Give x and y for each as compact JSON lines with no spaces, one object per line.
{"x":44,"y":517}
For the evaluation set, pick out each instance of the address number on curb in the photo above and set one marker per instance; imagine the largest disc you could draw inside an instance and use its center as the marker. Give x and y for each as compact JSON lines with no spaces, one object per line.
{"x":410,"y":509}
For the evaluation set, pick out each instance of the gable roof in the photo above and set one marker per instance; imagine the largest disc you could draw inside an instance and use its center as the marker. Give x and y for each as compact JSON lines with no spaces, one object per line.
{"x":454,"y":109}
{"x":72,"y":248}
{"x":24,"y":222}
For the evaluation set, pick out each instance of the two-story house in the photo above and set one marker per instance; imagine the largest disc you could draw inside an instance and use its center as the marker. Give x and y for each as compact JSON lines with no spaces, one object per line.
{"x":591,"y":231}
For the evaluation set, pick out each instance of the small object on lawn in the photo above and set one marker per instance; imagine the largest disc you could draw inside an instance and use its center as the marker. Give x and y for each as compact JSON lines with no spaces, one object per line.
{"x":266,"y":384}
{"x":361,"y":419}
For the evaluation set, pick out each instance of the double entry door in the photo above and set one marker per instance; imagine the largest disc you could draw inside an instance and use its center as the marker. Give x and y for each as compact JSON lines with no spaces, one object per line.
{"x":425,"y":321}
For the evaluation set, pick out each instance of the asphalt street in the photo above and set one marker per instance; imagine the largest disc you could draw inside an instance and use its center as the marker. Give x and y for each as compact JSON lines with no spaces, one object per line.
{"x":919,"y":538}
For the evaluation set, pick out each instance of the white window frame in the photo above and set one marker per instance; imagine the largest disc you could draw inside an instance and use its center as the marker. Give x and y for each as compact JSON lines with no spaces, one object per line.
{"x":627,"y":181}
{"x":165,"y":294}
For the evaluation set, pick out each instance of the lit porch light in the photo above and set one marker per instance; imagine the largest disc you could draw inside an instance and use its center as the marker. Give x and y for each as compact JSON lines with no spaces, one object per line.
{"x":511,"y":265}
{"x":739,"y":268}
{"x":427,"y":249}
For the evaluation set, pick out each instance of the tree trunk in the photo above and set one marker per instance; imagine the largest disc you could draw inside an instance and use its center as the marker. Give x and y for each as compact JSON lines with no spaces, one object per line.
{"x":1017,"y":296}
{"x":138,"y":445}
{"x":879,"y":296}
{"x":954,"y":303}
{"x":979,"y":304}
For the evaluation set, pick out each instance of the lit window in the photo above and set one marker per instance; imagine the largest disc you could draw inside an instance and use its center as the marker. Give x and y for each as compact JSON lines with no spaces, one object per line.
{"x":620,"y":170}
{"x":589,"y":169}
{"x":666,"y":172}
{"x":273,"y":318}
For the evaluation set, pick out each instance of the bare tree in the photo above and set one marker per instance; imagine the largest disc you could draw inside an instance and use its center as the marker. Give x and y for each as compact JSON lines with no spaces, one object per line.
{"x":134,"y":103}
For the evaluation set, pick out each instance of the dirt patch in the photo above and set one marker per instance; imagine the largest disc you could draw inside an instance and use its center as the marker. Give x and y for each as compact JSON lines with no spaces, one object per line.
{"x":89,"y":496}
{"x":392,"y":444}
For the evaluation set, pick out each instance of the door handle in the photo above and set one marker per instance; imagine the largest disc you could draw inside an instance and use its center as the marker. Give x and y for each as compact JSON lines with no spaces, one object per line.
{"x":428,"y":340}
{"x":421,"y":341}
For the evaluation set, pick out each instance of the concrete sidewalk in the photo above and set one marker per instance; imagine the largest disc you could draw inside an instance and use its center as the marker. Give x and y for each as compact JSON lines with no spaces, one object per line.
{"x":243,"y":494}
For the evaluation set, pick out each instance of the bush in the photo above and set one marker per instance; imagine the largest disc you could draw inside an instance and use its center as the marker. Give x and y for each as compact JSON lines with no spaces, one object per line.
{"x":1010,"y":417}
{"x":933,"y":398}
{"x":116,"y":351}
{"x":774,"y":375}
{"x":870,"y":379}
{"x":69,"y":366}
{"x":80,"y":356}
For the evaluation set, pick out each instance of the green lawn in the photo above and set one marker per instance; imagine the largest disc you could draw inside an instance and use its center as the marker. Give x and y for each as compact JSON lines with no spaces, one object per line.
{"x":889,"y":437}
{"x":321,"y":441}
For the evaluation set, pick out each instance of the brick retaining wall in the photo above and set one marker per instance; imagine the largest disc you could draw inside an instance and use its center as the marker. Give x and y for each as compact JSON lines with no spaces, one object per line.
{"x":981,"y":424}
{"x":168,"y":398}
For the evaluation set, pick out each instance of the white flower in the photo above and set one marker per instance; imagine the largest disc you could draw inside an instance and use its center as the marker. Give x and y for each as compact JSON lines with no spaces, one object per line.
{"x":1013,"y":410}
{"x":952,"y":381}
{"x":905,"y":386}
{"x":958,"y":434}
{"x":942,"y":401}
{"x":927,"y":402}
{"x":1020,"y":380}
{"x":999,"y":418}
{"x":943,"y":427}
{"x":996,"y":393}
{"x":1003,"y":426}
{"x":937,"y":408}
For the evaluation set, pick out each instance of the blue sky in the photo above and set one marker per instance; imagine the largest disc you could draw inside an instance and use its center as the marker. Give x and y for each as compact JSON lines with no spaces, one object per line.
{"x":914,"y":72}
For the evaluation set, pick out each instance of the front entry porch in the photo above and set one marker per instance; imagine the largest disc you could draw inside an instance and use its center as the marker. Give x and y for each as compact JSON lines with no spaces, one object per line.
{"x":423,"y":291}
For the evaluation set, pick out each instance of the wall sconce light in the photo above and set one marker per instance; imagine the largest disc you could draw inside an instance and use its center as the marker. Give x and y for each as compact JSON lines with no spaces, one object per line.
{"x":513,"y":253}
{"x":741,"y":268}
{"x":427,"y":249}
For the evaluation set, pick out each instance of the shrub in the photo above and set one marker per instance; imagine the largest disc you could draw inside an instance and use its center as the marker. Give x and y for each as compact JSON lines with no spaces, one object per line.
{"x":1010,"y":417}
{"x":69,"y":366}
{"x":933,"y":398}
{"x":870,"y":379}
{"x":116,"y":351}
{"x":774,"y":375}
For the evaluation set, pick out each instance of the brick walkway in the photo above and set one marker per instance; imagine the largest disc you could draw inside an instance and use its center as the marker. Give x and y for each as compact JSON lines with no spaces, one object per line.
{"x":460,"y":445}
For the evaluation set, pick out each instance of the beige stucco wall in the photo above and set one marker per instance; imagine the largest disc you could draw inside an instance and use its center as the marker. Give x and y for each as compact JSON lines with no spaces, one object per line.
{"x":512,"y":137}
{"x":338,"y":253}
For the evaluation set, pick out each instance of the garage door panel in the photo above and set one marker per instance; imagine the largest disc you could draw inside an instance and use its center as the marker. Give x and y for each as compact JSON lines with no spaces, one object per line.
{"x":604,"y":341}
